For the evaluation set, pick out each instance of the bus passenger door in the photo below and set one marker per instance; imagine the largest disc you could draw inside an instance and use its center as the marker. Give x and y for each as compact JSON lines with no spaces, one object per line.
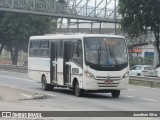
{"x":54,"y":55}
{"x":67,"y":66}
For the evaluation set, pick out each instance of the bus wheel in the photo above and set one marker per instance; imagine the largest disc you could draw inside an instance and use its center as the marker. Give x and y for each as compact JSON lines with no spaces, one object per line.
{"x":78,"y":92}
{"x":115,"y":93}
{"x":45,"y":86}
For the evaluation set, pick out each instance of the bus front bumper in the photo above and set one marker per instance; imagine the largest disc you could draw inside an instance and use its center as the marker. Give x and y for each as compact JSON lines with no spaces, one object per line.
{"x":96,"y":85}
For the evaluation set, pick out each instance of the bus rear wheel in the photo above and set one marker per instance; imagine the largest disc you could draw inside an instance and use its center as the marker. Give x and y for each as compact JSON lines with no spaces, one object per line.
{"x":115,"y":93}
{"x":78,"y":92}
{"x":45,"y":85}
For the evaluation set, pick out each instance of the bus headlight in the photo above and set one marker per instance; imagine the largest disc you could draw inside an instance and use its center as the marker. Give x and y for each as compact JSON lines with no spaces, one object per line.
{"x":126,"y":75}
{"x":89,"y":75}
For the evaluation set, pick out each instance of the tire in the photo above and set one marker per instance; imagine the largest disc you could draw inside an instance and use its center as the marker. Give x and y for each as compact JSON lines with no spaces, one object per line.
{"x":78,"y":92}
{"x":45,"y":86}
{"x":115,"y":93}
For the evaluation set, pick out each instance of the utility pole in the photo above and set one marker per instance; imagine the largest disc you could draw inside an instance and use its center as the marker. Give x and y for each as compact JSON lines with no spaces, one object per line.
{"x":115,"y":17}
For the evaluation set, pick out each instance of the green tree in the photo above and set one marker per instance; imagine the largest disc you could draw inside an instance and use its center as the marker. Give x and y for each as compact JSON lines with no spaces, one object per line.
{"x":16,"y":28}
{"x":138,"y":16}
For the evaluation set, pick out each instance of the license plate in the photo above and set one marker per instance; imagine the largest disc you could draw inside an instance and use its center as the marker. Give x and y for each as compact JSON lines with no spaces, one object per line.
{"x":108,"y":82}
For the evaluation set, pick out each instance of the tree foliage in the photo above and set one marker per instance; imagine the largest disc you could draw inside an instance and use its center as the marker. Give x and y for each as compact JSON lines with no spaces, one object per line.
{"x":138,"y":16}
{"x":16,"y":28}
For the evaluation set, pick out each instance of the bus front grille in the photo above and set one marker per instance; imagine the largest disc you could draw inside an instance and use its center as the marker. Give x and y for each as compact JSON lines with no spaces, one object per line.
{"x":108,"y":85}
{"x":114,"y":78}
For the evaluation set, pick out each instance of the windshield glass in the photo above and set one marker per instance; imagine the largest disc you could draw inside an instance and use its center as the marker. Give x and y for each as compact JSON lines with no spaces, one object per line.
{"x":105,"y":51}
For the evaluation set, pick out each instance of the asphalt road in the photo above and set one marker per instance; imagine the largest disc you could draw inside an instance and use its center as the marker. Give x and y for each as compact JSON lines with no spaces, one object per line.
{"x":134,"y":99}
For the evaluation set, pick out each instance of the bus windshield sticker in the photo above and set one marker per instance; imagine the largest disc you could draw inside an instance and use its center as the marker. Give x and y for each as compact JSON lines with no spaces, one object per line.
{"x":110,"y":42}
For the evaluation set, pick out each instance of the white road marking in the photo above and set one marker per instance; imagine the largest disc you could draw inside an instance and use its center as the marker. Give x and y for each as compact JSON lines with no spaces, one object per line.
{"x":23,"y":88}
{"x":55,"y":95}
{"x":149,"y":99}
{"x":131,"y":89}
{"x":130,"y":96}
{"x":17,"y":78}
{"x":25,"y":95}
{"x":144,"y":87}
{"x":32,"y":91}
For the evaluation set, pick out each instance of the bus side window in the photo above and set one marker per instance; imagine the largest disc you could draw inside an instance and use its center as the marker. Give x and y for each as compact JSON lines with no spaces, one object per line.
{"x":74,"y":50}
{"x":34,"y":49}
{"x":39,"y":48}
{"x":77,"y":52}
{"x":79,"y":48}
{"x":44,"y":44}
{"x":44,"y":49}
{"x":34,"y":44}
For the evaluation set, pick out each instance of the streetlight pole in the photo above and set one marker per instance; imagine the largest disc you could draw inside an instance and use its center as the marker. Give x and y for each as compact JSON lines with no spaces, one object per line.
{"x":115,"y":17}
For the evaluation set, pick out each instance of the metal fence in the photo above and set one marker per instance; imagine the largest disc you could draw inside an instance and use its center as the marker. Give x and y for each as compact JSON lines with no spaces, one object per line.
{"x":24,"y":69}
{"x":150,"y":80}
{"x":15,"y":68}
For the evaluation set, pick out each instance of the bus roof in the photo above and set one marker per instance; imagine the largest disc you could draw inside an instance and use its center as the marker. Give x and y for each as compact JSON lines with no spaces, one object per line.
{"x":72,"y":36}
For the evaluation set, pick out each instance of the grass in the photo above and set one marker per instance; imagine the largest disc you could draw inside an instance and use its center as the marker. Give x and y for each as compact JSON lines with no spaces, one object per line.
{"x":145,"y":83}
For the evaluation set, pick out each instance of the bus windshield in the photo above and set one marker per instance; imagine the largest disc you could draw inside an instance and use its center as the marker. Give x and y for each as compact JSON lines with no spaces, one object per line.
{"x":104,"y":51}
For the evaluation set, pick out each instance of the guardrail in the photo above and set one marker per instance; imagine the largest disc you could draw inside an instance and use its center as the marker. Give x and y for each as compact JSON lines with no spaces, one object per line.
{"x":16,"y":68}
{"x":150,"y":80}
{"x":24,"y":69}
